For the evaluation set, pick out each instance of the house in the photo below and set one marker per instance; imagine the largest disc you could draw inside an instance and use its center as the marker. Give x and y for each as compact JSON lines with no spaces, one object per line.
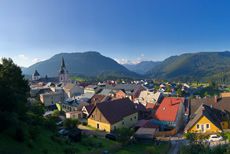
{"x":205,"y":120}
{"x":221,"y":104}
{"x":86,"y":110}
{"x":170,"y":113}
{"x":150,"y":97}
{"x":225,"y":94}
{"x":86,"y":97}
{"x":111,"y":115}
{"x":72,"y":90}
{"x":71,"y":105}
{"x":91,"y":89}
{"x":51,"y":98}
{"x":145,"y":133}
{"x":98,"y":99}
{"x":74,"y":115}
{"x":106,"y":92}
{"x":129,"y":90}
{"x":120,"y":94}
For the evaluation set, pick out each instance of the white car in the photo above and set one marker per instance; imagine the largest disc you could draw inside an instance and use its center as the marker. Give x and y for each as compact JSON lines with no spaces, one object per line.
{"x":215,"y":138}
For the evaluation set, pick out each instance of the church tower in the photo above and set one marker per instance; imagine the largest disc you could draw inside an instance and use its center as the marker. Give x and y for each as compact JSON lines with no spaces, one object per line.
{"x":36,"y":76}
{"x":63,"y":73}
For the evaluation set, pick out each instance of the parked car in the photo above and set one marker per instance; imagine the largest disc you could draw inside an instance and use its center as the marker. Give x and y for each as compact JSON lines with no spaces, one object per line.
{"x":215,"y":138}
{"x":111,"y":136}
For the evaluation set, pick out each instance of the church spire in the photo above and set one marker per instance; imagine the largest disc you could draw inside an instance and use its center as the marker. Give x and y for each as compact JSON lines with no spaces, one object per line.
{"x":62,"y":63}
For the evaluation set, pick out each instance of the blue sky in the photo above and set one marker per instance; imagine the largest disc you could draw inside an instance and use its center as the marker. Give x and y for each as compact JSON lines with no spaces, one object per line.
{"x":126,"y":30}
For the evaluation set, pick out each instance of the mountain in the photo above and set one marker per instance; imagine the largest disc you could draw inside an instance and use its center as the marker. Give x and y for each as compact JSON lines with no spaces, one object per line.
{"x":87,"y":64}
{"x":23,"y":68}
{"x":194,"y":66}
{"x":142,"y":67}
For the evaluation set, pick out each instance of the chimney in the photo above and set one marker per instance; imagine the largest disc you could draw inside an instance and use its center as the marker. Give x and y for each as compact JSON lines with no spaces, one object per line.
{"x":203,"y":107}
{"x":215,"y":99}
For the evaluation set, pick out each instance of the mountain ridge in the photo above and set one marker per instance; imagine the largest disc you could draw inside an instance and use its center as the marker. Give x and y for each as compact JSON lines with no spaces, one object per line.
{"x":90,"y":63}
{"x":194,"y":66}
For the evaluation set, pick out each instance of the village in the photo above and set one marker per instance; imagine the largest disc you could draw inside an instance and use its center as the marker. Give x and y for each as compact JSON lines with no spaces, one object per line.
{"x":163,"y":112}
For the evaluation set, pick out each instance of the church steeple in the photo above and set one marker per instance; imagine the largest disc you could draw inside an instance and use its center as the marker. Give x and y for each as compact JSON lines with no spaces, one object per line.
{"x":63,"y":73}
{"x":62,"y":63}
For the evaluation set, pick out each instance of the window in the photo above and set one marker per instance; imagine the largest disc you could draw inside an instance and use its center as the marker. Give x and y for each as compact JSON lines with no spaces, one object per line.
{"x":207,"y":126}
{"x":197,"y":126}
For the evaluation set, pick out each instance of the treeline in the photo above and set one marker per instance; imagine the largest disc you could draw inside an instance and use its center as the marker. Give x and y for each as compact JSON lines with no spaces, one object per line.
{"x":20,"y":119}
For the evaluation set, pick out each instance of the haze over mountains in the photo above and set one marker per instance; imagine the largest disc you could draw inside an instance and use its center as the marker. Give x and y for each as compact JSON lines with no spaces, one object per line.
{"x":142,"y":67}
{"x":189,"y":66}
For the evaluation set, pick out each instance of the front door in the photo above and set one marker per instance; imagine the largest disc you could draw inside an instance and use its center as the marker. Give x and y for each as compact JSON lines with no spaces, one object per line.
{"x":97,"y":126}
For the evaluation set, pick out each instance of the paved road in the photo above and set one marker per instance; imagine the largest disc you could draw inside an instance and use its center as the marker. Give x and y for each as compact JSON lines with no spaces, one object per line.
{"x":176,"y":143}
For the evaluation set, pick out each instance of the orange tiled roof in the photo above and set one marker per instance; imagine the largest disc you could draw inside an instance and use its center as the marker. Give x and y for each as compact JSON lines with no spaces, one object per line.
{"x":167,"y":111}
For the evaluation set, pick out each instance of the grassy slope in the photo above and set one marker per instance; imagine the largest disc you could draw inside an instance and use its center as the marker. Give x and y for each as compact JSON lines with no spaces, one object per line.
{"x":44,"y":144}
{"x":88,"y":145}
{"x":146,"y":148}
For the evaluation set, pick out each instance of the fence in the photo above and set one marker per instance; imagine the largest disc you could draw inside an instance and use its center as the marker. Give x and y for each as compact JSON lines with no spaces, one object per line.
{"x":166,"y":133}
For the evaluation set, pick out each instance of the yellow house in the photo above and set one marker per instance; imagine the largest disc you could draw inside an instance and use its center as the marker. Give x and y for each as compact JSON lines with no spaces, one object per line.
{"x":112,"y":115}
{"x":206,"y":120}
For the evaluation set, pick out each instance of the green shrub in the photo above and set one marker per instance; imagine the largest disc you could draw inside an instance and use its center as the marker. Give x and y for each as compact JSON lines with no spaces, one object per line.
{"x":71,"y":123}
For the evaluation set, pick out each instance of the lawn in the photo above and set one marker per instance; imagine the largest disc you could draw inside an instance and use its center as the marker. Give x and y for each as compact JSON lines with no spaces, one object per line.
{"x":145,"y":148}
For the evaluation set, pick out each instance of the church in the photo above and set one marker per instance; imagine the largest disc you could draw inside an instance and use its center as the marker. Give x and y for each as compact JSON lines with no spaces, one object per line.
{"x":63,"y":73}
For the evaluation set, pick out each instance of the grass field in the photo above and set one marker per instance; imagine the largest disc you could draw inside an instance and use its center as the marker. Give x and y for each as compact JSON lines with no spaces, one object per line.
{"x":45,"y":144}
{"x":145,"y":148}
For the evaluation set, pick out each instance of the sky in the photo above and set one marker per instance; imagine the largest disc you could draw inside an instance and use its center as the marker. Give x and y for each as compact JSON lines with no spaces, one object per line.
{"x":128,"y":31}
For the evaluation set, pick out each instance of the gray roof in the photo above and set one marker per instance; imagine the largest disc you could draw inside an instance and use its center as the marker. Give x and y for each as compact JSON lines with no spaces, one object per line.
{"x":105,"y":92}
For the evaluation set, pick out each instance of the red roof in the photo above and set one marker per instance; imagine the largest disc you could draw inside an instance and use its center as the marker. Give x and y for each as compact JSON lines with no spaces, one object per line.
{"x":167,"y":111}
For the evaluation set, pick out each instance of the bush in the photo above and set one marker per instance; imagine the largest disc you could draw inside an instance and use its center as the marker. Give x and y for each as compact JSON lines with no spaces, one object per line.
{"x":124,"y":134}
{"x":71,"y":123}
{"x":226,"y":135}
{"x":190,"y":136}
{"x":56,"y":113}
